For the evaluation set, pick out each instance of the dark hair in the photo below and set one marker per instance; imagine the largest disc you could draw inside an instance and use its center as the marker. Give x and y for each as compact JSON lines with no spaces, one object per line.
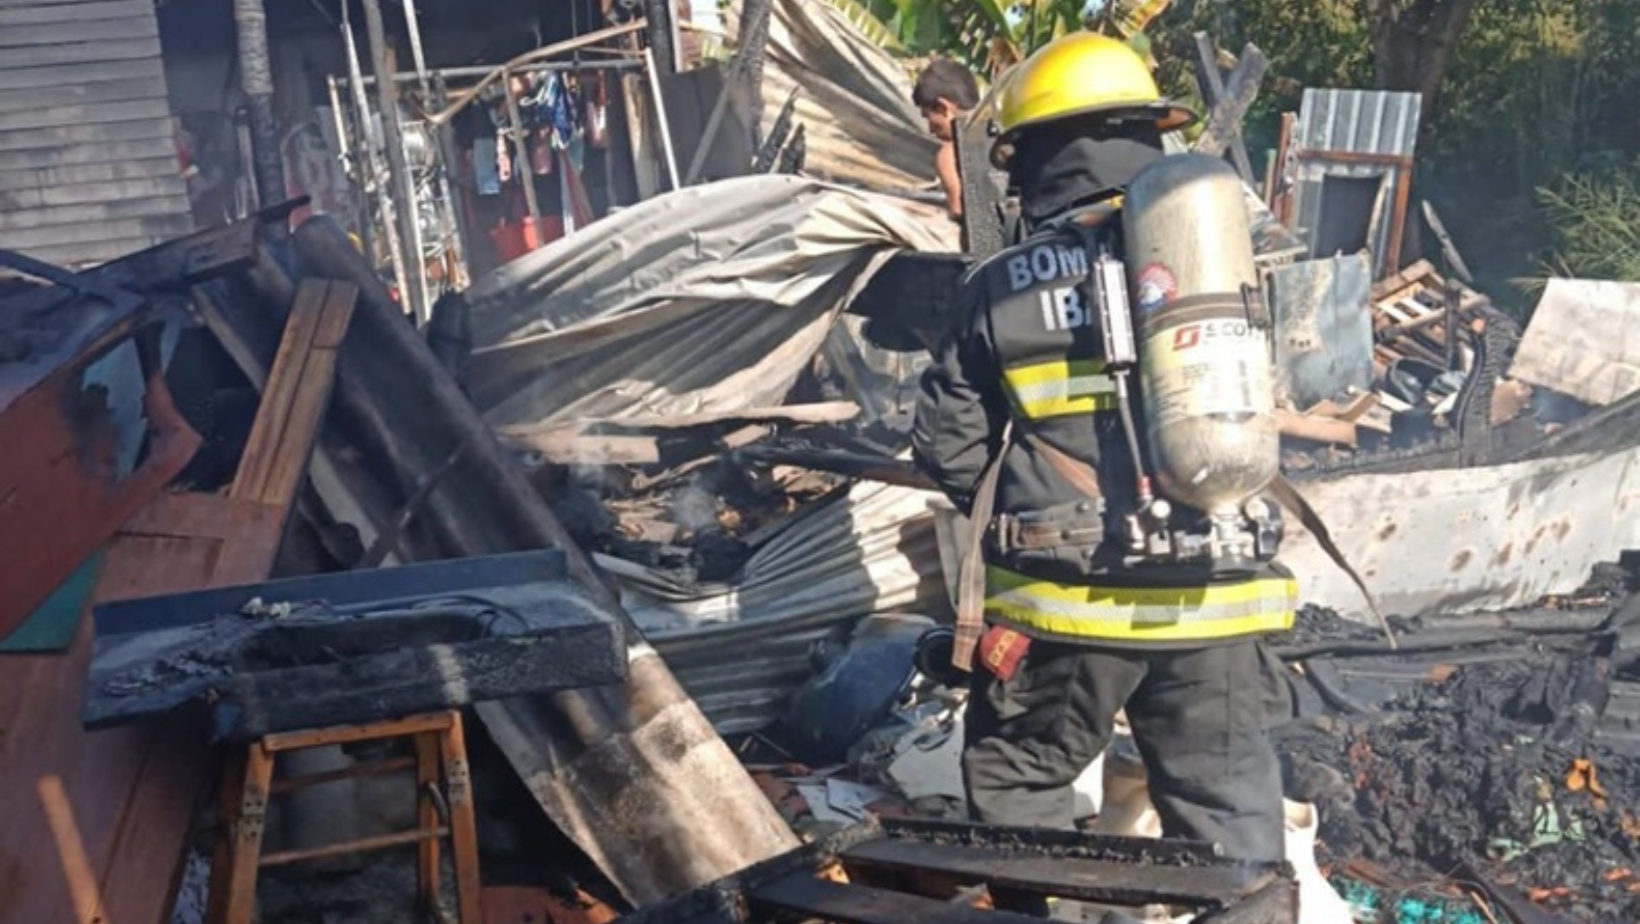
{"x":945,"y":79}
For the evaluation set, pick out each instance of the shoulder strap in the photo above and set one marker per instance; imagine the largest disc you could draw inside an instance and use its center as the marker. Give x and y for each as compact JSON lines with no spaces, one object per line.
{"x":1287,"y":495}
{"x":971,"y":577}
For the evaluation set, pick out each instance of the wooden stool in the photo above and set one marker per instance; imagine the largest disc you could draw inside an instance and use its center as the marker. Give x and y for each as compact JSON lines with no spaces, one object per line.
{"x":440,"y":746}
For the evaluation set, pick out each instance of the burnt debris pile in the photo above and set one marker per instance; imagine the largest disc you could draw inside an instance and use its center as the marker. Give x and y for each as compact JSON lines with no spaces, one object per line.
{"x":1509,"y":760}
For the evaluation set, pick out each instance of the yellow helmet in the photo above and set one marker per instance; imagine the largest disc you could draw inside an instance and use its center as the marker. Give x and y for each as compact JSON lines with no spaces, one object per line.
{"x":1079,"y":74}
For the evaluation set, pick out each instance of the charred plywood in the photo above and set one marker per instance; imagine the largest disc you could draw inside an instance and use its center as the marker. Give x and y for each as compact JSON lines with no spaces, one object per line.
{"x":354,"y":647}
{"x":88,"y":160}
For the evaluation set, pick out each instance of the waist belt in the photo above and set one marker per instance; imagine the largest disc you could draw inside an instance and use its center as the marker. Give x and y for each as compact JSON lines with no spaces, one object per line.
{"x":1141,"y":614}
{"x":1082,"y":526}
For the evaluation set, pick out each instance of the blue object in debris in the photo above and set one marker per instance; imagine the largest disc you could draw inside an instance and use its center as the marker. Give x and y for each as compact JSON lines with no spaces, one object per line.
{"x":1372,"y":905}
{"x":855,"y":689}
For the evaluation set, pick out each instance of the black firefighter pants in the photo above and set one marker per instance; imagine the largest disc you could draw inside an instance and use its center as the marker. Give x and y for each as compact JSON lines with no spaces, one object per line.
{"x":1200,"y":718}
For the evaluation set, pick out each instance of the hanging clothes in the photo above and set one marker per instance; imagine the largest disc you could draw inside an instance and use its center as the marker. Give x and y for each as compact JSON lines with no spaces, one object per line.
{"x":486,"y":166}
{"x":561,"y":114}
{"x":577,"y":205}
{"x":596,"y":126}
{"x":540,"y":144}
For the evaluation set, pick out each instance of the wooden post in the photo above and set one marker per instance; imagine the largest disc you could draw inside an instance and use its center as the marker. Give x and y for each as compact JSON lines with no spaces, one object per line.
{"x":256,"y":77}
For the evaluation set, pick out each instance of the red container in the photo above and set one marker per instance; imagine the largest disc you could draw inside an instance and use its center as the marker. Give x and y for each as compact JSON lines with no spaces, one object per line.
{"x":513,"y":240}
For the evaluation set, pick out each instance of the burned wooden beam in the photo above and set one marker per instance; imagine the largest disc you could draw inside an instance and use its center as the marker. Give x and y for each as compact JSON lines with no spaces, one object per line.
{"x":1211,"y":84}
{"x":809,"y":897}
{"x":842,"y":462}
{"x":353,"y":647}
{"x":1224,"y":121}
{"x":925,"y":859}
{"x":1045,"y":873}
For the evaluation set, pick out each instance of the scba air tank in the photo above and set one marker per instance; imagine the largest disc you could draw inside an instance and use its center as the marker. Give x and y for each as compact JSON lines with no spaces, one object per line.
{"x":1205,"y":366}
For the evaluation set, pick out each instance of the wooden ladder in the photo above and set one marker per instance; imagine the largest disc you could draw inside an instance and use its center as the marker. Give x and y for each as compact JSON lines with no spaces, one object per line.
{"x":444,"y":809}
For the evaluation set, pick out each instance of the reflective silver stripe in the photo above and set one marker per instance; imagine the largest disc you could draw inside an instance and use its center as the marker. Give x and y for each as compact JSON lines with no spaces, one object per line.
{"x":1140,"y":614}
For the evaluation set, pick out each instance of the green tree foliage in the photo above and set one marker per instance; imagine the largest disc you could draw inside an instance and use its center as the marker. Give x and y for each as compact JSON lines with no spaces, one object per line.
{"x":1529,"y":137}
{"x":1595,"y":221}
{"x":986,"y":35}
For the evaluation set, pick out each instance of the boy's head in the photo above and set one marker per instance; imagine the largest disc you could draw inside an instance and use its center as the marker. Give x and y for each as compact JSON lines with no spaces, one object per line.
{"x":944,"y":90}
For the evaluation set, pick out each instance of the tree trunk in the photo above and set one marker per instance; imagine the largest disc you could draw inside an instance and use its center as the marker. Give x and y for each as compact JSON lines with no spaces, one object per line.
{"x":1413,"y":42}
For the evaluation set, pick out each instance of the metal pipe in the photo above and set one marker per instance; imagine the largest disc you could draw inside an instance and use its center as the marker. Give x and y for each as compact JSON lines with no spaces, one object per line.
{"x":544,"y":67}
{"x":398,"y":167}
{"x":345,"y":150}
{"x":663,"y":34}
{"x":660,"y":118}
{"x":345,"y":154}
{"x":256,"y":77}
{"x":450,"y":156}
{"x":414,"y":26}
{"x":373,"y":180}
{"x":449,"y":227}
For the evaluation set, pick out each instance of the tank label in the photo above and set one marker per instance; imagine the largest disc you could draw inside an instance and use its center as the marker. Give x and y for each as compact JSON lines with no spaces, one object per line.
{"x":1156,"y":287}
{"x":1212,"y":367}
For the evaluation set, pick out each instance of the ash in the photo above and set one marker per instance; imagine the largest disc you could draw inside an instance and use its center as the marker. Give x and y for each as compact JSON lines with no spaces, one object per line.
{"x":1517,"y":761}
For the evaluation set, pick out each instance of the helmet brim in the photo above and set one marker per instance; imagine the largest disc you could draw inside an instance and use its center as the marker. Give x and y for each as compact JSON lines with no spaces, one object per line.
{"x":1165,"y":115}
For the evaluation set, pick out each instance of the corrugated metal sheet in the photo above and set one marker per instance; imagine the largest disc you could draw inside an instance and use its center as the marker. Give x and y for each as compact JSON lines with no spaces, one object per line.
{"x":1366,"y":122}
{"x":854,"y":99}
{"x":707,"y":299}
{"x":88,"y":162}
{"x":1363,"y":121}
{"x":741,"y":649}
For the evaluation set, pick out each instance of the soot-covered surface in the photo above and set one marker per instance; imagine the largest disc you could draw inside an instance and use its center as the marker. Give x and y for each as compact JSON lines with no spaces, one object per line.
{"x":1517,"y":758}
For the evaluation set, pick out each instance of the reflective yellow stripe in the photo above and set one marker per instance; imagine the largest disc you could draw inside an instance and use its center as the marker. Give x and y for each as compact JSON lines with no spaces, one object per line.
{"x":1059,"y":388}
{"x":1160,"y":614}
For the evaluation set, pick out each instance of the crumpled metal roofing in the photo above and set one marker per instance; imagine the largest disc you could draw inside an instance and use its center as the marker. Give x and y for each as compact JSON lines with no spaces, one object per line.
{"x":711,"y":299}
{"x":707,"y":299}
{"x":854,"y":99}
{"x":740,"y":649}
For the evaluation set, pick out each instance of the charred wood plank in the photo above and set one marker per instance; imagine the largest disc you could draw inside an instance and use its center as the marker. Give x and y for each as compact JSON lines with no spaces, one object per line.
{"x":65,"y":494}
{"x":1211,"y":84}
{"x":856,"y":904}
{"x":842,"y":462}
{"x":1120,"y":882}
{"x":1276,"y":902}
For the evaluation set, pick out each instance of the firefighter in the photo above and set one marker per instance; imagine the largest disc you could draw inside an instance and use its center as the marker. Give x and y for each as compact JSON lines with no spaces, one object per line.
{"x":1014,"y":416}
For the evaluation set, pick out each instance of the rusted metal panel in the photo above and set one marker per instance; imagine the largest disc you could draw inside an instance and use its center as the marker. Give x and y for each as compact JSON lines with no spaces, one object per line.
{"x":74,"y":79}
{"x":853,"y":99}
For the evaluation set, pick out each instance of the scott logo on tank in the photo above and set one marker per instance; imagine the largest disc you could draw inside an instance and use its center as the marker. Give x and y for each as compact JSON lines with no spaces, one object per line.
{"x":1191,"y":336}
